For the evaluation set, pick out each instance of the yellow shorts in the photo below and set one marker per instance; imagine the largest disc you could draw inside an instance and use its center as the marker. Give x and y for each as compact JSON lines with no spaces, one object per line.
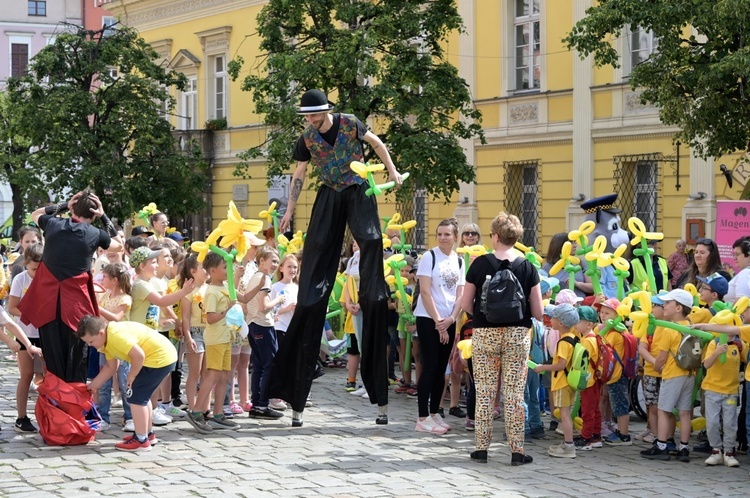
{"x":219,"y":357}
{"x":563,"y":397}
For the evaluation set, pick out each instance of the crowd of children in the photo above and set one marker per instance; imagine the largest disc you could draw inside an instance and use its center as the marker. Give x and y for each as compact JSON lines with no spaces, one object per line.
{"x":160,"y":306}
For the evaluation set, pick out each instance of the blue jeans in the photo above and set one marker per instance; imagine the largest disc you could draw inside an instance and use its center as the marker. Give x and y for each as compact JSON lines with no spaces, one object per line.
{"x":105,"y":393}
{"x":264,"y":346}
{"x":533,"y":414}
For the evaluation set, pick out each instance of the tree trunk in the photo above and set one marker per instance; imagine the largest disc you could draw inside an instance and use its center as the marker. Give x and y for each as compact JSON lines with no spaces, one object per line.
{"x":18,"y":210}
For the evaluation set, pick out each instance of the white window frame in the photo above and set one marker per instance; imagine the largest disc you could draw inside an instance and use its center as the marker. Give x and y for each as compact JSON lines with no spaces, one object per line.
{"x":218,"y":91}
{"x":532,"y":23}
{"x":632,"y":46}
{"x":107,"y":22}
{"x":189,"y":105}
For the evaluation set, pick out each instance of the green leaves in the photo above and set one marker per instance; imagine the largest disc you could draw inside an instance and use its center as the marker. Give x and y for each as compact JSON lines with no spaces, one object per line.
{"x":93,"y":107}
{"x":374,"y":59}
{"x":697,"y":77}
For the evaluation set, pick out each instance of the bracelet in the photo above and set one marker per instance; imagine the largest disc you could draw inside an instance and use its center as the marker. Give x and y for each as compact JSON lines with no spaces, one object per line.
{"x":56,"y":209}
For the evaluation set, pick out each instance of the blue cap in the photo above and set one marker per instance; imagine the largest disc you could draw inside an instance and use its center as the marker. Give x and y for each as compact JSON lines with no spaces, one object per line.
{"x":566,"y":313}
{"x":176,"y":236}
{"x":717,"y":283}
{"x":657,"y":298}
{"x":548,"y":283}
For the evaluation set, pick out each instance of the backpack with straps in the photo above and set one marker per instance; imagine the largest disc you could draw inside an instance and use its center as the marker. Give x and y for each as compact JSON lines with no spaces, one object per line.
{"x":538,"y":349}
{"x":578,"y":375}
{"x":503,"y":299}
{"x":629,"y":362}
{"x":606,"y":360}
{"x":415,"y":294}
{"x":689,"y":353}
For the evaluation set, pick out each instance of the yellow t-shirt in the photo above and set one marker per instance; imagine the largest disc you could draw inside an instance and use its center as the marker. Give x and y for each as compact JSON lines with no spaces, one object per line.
{"x":216,"y":300}
{"x":110,"y":303}
{"x":197,"y":305}
{"x":563,"y":350}
{"x":648,"y":368}
{"x":589,"y":342}
{"x":122,"y":336}
{"x":669,"y":340}
{"x":700,"y":315}
{"x":614,"y":339}
{"x":725,"y":378}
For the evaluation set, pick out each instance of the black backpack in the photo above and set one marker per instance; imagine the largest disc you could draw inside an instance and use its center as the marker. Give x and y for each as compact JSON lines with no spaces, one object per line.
{"x":503,"y":299}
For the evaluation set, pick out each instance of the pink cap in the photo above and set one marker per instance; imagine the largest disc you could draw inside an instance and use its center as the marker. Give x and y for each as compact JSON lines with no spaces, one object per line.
{"x":612,"y":303}
{"x":567,"y":296}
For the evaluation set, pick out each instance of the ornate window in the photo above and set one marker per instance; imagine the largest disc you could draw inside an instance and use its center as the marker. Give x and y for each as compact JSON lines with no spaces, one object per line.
{"x":523,"y":197}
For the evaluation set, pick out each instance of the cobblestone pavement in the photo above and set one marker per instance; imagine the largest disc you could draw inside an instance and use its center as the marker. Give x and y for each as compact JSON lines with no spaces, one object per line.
{"x":339,"y":452}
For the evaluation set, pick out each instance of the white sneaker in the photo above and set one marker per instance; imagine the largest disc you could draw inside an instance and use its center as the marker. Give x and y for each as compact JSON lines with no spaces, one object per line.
{"x":163,"y":411}
{"x":117,"y":401}
{"x":715,"y":458}
{"x":429,"y":425}
{"x":158,"y":418}
{"x":173,"y":411}
{"x":366,"y":396}
{"x":103,"y":426}
{"x":359,"y":392}
{"x":730,"y":460}
{"x":129,"y":426}
{"x":278,"y":404}
{"x":440,"y":421}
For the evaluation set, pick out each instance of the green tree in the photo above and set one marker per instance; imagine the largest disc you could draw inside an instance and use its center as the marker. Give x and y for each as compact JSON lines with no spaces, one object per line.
{"x":698,"y":75}
{"x":382,"y":59}
{"x":15,"y":154}
{"x":96,"y":105}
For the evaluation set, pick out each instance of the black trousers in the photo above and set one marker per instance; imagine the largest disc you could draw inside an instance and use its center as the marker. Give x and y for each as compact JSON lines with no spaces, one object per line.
{"x":434,"y":357}
{"x":65,"y":355}
{"x":294,"y":365}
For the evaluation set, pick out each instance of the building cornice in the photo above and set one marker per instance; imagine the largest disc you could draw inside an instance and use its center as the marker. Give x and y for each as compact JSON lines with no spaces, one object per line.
{"x":151,"y":14}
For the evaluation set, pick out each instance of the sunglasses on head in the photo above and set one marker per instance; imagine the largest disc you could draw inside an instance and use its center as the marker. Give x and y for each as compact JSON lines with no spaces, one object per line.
{"x":472,"y":234}
{"x":704,"y":242}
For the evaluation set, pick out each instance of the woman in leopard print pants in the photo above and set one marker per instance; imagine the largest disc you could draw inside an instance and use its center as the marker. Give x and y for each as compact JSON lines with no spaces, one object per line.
{"x":501,"y":346}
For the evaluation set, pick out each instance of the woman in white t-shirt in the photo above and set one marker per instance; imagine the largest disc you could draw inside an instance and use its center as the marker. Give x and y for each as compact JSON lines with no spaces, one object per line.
{"x":441,"y":283}
{"x":740,"y":285}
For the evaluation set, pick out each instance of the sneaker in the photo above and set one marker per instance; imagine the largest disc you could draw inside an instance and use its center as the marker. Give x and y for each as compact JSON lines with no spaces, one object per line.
{"x":159,"y":419}
{"x":649,"y":438}
{"x":412,"y":392}
{"x":358,"y":392}
{"x":382,"y":419}
{"x":248,"y":406}
{"x":642,"y":434}
{"x":583,"y":444}
{"x":672,"y":448}
{"x":469,"y":424}
{"x":198,"y":421}
{"x":23,"y":424}
{"x":654,"y":453}
{"x":227,"y":411}
{"x":742,"y":449}
{"x":265,"y":413}
{"x":562,"y":450}
{"x":596,"y":442}
{"x":559,"y":430}
{"x":366,"y":396}
{"x":129,"y":426}
{"x":703,"y":448}
{"x":308,"y":401}
{"x":553,"y":424}
{"x":618,"y":439}
{"x":684,"y":455}
{"x":715,"y":458}
{"x":456,"y":411}
{"x":537,"y":433}
{"x":179,"y":404}
{"x":439,"y":421}
{"x":151,"y":438}
{"x":441,"y":412}
{"x":429,"y":425}
{"x":350,"y":386}
{"x":402,"y":389}
{"x":479,"y":456}
{"x":103,"y":426}
{"x":117,"y":402}
{"x":236,"y":408}
{"x":730,"y":460}
{"x":172,"y":411}
{"x":278,"y":404}
{"x":218,"y":422}
{"x":133,"y":444}
{"x":520,"y":459}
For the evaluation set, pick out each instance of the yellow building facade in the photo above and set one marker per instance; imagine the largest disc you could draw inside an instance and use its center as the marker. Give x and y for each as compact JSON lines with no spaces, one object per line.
{"x":558,"y":131}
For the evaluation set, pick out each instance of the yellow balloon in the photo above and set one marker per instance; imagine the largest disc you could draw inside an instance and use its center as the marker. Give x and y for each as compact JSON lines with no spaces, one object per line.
{"x":465,"y":348}
{"x":578,"y":423}
{"x":698,"y":423}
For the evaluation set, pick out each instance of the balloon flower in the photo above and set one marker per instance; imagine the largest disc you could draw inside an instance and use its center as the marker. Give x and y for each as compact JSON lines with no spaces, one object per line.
{"x":232,"y":233}
{"x":395,"y":263}
{"x":617,"y":323}
{"x":642,"y":237}
{"x":147,"y":211}
{"x":365,"y":170}
{"x":602,"y":259}
{"x":272,"y":216}
{"x":287,"y":246}
{"x":581,"y":236}
{"x":469,"y":251}
{"x":530,"y":254}
{"x":402,"y":246}
{"x":568,"y":262}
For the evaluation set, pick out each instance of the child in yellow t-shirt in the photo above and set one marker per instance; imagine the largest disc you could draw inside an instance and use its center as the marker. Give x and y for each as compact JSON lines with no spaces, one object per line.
{"x":590,"y":412}
{"x":677,"y":383}
{"x":651,"y":378}
{"x":564,"y":317}
{"x":712,"y":288}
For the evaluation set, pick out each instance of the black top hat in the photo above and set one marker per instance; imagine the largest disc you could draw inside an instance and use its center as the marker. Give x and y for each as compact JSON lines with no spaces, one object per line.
{"x":314,"y":101}
{"x":603,"y":203}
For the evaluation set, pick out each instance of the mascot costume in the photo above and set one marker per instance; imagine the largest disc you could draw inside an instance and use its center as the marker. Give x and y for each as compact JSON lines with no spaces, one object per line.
{"x":602,"y":211}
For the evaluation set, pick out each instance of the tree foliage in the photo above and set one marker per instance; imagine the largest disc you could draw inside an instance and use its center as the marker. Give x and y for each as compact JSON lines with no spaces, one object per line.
{"x":384,"y":59}
{"x":94,"y":111}
{"x":698,"y":76}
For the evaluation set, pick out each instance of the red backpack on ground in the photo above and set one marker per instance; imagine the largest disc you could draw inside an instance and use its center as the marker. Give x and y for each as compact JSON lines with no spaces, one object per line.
{"x":630,"y":361}
{"x":606,"y":361}
{"x":65,"y":412}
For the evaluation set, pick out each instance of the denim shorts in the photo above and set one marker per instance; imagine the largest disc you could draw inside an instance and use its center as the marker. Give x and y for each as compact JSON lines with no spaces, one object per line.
{"x":618,"y":397}
{"x":197,"y":334}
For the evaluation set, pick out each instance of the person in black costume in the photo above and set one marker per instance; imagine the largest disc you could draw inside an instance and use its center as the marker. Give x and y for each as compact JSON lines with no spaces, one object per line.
{"x":330,"y":143}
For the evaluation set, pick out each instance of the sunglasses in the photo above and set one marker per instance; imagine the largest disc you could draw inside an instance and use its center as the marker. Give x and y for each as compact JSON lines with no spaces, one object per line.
{"x":705,"y":242}
{"x":471,"y":234}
